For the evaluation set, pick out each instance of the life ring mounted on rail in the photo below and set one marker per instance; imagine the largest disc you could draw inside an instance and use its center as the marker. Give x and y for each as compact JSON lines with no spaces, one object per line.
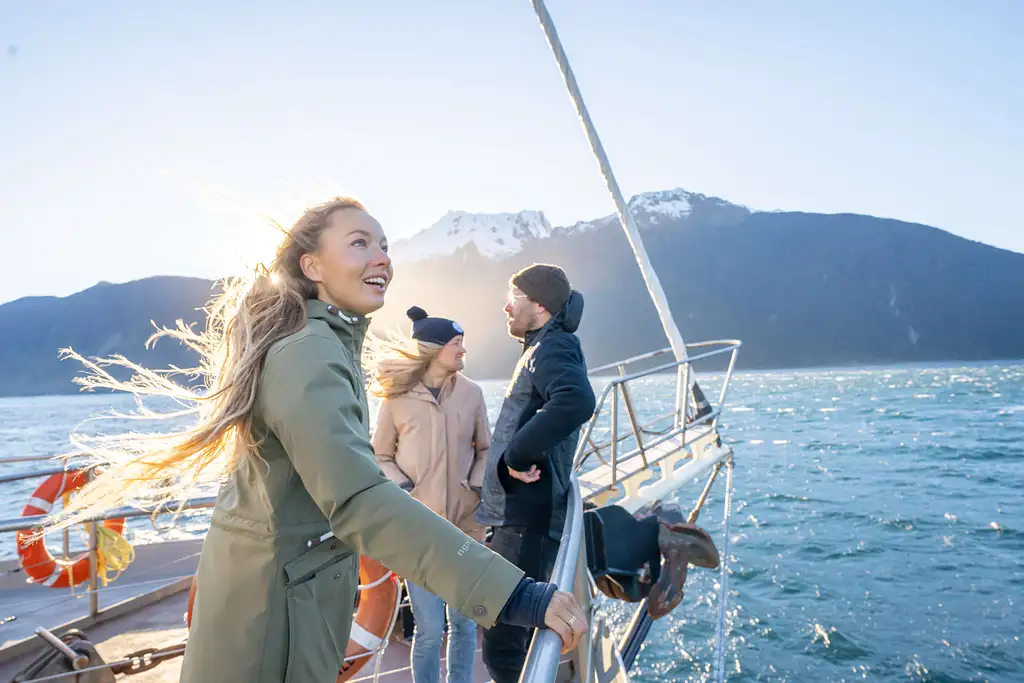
{"x":37,"y":561}
{"x":378,"y":600}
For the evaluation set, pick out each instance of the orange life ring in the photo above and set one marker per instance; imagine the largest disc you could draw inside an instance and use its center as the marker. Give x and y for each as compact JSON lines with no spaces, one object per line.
{"x":379,"y":600}
{"x":36,"y":559}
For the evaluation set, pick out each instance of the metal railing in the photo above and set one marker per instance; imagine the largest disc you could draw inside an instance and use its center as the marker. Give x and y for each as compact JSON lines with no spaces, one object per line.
{"x":544,"y":654}
{"x":545,"y":650}
{"x":640,"y":433}
{"x":31,"y":522}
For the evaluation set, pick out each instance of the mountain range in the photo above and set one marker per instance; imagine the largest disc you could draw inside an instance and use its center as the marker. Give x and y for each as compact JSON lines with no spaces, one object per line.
{"x":800,"y":290}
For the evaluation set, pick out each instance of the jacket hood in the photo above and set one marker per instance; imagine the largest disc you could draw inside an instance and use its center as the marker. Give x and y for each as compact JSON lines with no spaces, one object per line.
{"x":572,"y":313}
{"x":568,"y":319}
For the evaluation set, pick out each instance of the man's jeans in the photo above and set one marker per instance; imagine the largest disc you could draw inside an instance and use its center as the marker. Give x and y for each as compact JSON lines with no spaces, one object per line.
{"x":504,"y":645}
{"x":428,"y":613}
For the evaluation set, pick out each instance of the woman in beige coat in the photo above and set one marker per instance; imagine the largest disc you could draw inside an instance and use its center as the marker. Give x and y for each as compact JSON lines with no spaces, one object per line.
{"x":431,"y":439}
{"x":283,"y":424}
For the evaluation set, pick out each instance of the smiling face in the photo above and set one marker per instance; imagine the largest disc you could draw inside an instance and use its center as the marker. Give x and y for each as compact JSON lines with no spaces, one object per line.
{"x":350,"y":266}
{"x":452,"y":356}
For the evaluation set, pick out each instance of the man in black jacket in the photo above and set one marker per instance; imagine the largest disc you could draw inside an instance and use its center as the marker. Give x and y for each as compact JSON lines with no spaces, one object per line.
{"x":526,"y":481}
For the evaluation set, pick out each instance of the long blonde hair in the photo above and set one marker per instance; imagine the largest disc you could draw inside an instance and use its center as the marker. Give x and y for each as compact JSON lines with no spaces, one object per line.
{"x":398,"y":364}
{"x":243,"y":322}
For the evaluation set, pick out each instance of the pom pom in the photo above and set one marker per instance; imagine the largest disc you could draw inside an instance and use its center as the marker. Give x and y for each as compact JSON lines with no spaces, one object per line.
{"x":416,"y":313}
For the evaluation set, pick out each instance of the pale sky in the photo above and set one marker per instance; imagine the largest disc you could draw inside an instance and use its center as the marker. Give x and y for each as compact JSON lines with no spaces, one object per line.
{"x":140,"y":138}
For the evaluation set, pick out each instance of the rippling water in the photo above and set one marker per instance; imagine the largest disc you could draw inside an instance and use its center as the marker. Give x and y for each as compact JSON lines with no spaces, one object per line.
{"x":877,"y":529}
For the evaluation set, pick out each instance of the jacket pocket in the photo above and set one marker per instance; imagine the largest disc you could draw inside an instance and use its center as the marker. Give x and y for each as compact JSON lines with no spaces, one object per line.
{"x":320,"y":587}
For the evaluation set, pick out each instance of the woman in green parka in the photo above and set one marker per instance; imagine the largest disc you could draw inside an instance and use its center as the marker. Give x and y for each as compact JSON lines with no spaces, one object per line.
{"x":283,"y":424}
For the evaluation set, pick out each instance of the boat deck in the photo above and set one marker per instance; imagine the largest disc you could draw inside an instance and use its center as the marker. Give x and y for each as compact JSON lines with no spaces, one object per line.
{"x":143,"y":607}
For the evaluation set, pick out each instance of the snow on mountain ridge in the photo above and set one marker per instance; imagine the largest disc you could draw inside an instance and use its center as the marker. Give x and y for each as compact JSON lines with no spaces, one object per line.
{"x":493,"y":234}
{"x":671,"y":203}
{"x":496,"y":235}
{"x":654,"y":207}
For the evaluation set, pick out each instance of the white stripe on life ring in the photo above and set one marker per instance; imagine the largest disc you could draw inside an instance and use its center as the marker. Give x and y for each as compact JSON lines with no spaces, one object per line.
{"x":54,"y":576}
{"x":41,"y":503}
{"x":364,"y":637}
{"x":63,"y":485}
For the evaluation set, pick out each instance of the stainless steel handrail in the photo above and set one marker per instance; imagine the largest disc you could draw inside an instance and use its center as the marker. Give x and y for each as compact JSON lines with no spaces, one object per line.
{"x":27,"y":458}
{"x":36,"y":521}
{"x":729,"y":343}
{"x":546,"y":648}
{"x":732,"y":348}
{"x":35,"y":474}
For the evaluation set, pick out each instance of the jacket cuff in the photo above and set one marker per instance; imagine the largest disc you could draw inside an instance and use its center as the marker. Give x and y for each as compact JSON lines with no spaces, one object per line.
{"x":485,"y":603}
{"x":512,"y":460}
{"x":528,"y":604}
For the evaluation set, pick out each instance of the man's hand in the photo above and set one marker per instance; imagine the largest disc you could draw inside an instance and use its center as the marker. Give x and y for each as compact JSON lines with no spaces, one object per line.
{"x":528,"y":477}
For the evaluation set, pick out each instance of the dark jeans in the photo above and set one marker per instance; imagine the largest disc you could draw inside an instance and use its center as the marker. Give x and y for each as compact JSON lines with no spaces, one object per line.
{"x":505,"y":646}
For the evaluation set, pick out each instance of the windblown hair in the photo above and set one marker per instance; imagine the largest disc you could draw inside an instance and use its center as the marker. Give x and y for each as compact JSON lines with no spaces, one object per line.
{"x":399,"y":364}
{"x":243,"y":321}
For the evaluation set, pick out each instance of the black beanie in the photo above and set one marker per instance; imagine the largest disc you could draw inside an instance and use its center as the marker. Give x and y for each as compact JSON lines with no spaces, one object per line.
{"x":432,"y":330}
{"x":545,"y":284}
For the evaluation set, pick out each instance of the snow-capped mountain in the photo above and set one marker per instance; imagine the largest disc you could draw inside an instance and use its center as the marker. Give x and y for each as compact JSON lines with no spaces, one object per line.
{"x":661,"y":207}
{"x":494,"y":235}
{"x":498,"y":235}
{"x":676,"y":203}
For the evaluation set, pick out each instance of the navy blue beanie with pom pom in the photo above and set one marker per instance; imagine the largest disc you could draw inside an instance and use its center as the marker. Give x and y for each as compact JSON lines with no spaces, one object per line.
{"x":432,"y":330}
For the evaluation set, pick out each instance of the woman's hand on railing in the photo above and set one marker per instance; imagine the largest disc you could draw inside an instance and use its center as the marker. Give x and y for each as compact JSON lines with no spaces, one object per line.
{"x":565,"y":617}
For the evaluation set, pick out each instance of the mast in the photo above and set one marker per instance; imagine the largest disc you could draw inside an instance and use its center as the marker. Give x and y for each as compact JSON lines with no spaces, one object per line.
{"x":675,"y":339}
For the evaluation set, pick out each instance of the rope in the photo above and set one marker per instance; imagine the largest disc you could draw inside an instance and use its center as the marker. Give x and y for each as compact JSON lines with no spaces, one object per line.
{"x":114,"y":554}
{"x":377,"y":582}
{"x":723,"y":580}
{"x":695,"y":512}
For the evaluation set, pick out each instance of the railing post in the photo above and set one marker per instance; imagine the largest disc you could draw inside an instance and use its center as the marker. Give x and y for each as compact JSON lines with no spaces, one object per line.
{"x":94,"y":539}
{"x":725,"y":383}
{"x":615,"y":434}
{"x":680,"y":396}
{"x":682,"y":407}
{"x":631,"y":414}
